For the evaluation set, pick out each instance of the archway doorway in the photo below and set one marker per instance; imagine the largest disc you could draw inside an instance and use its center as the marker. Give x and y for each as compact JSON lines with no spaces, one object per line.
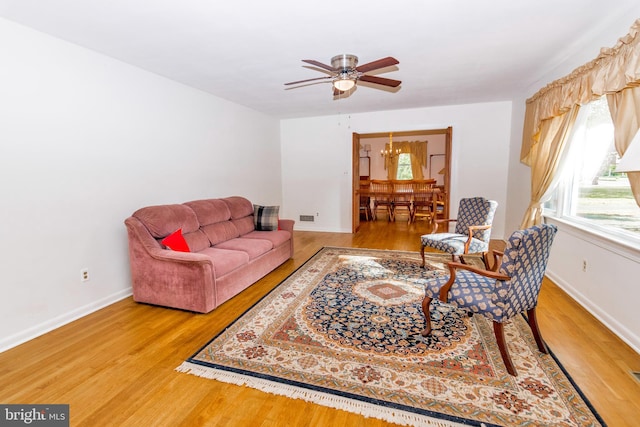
{"x":368,"y":140}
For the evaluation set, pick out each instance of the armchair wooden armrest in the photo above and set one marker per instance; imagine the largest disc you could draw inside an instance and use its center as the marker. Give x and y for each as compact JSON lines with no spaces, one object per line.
{"x":441,"y":221}
{"x":497,"y":259}
{"x":473,"y":228}
{"x":454,"y":266}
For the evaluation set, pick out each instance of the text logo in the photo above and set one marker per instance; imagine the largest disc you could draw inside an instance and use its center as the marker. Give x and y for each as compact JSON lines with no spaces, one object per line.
{"x":34,"y":415}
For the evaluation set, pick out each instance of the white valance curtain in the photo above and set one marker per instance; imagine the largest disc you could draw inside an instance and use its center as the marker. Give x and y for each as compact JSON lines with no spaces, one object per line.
{"x":418,"y":152}
{"x":551,"y":112}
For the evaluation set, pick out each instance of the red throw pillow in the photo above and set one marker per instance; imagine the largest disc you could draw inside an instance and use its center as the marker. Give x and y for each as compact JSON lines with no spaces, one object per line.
{"x":175,"y":241}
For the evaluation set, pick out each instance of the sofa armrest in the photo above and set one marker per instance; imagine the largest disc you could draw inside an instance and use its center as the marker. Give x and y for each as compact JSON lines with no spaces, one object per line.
{"x":286,"y":224}
{"x":179,"y":257}
{"x":164,"y":277}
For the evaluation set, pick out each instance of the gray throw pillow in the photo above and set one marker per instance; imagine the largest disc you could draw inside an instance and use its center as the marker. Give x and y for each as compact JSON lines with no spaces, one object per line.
{"x":265,"y":218}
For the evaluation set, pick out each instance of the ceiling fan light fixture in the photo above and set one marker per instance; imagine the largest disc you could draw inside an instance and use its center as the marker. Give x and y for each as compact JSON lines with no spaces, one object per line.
{"x":344,"y":73}
{"x":344,"y":84}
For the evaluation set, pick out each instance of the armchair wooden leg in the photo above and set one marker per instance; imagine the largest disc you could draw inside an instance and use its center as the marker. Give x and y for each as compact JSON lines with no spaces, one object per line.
{"x":422,"y":254}
{"x":426,"y":306}
{"x":533,"y":324}
{"x":498,"y":330}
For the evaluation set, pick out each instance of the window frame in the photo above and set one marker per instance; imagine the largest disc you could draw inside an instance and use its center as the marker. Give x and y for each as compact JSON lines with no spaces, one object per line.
{"x":558,"y":206}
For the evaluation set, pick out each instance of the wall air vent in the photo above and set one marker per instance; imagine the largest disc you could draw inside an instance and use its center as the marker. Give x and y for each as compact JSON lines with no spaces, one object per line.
{"x":306,"y":218}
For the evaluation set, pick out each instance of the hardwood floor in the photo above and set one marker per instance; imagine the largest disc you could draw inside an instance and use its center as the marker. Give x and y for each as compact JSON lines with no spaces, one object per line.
{"x":115,"y":367}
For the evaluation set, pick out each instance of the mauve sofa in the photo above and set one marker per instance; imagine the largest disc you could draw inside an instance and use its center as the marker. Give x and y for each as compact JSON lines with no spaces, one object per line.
{"x":227,"y":253}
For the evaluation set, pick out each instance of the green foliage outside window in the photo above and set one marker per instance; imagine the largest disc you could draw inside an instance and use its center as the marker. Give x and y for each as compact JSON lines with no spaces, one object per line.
{"x":404,"y":166}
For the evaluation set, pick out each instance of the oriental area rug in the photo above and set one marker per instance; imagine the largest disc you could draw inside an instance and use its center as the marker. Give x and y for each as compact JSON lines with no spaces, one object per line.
{"x":344,"y":331}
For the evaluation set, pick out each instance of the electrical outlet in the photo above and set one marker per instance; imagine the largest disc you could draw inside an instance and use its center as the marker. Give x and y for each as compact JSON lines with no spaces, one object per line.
{"x":584,"y":265}
{"x":84,"y":275}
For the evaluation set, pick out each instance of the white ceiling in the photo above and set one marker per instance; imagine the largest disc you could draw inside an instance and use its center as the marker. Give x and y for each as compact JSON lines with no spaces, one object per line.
{"x":450,"y":51}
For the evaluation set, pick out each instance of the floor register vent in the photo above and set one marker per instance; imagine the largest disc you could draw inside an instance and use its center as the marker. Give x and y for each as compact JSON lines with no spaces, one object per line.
{"x":306,"y":218}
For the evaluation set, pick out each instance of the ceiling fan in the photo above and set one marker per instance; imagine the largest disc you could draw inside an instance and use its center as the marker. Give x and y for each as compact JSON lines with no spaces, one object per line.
{"x":345,"y":72}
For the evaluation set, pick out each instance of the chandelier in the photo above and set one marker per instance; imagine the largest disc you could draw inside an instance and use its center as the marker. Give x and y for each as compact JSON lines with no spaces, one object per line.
{"x":390,"y":152}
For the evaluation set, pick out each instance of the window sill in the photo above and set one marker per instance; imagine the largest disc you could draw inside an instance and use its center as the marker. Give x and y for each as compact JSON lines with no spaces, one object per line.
{"x":625,"y":247}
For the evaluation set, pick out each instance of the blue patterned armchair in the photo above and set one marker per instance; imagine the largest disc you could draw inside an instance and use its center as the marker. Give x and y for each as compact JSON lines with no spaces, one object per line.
{"x":472,"y":232}
{"x":510,"y":288}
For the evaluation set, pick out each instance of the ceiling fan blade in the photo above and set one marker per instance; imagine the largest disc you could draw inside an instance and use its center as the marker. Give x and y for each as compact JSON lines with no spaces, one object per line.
{"x":307,"y":80}
{"x":306,"y":84}
{"x":380,"y":81}
{"x":380,"y":63}
{"x":319,"y":64}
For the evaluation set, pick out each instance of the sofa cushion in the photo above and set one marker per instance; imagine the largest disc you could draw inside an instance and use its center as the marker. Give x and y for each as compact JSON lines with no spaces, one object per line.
{"x":225,"y":261}
{"x":214,"y":218}
{"x":239,"y":207}
{"x":277,"y":237}
{"x":210,"y":211}
{"x":253,"y":247}
{"x":196,"y":240}
{"x":175,"y":241}
{"x":220,"y":232}
{"x":241,"y":213}
{"x":244,"y":225}
{"x":163,"y":220}
{"x":265,"y":218}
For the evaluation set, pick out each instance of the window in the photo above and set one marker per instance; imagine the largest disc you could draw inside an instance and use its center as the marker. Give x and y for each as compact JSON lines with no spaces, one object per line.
{"x":590,"y":192}
{"x":404,"y":166}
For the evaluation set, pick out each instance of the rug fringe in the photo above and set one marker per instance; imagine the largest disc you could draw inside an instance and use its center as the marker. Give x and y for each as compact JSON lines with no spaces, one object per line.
{"x":337,"y":402}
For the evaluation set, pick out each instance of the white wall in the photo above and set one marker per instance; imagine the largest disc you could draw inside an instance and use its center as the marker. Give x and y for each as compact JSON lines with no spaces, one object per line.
{"x":519,"y":185}
{"x":86,"y":140}
{"x":609,"y":288}
{"x":316,"y":158}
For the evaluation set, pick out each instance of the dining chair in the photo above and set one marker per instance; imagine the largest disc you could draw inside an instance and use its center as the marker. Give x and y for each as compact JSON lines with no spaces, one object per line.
{"x":424,"y":195}
{"x":365,"y":199}
{"x":402,"y":197}
{"x":365,"y":207}
{"x":510,"y":288}
{"x":472,"y":231}
{"x":439,"y":202}
{"x":381,"y":191}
